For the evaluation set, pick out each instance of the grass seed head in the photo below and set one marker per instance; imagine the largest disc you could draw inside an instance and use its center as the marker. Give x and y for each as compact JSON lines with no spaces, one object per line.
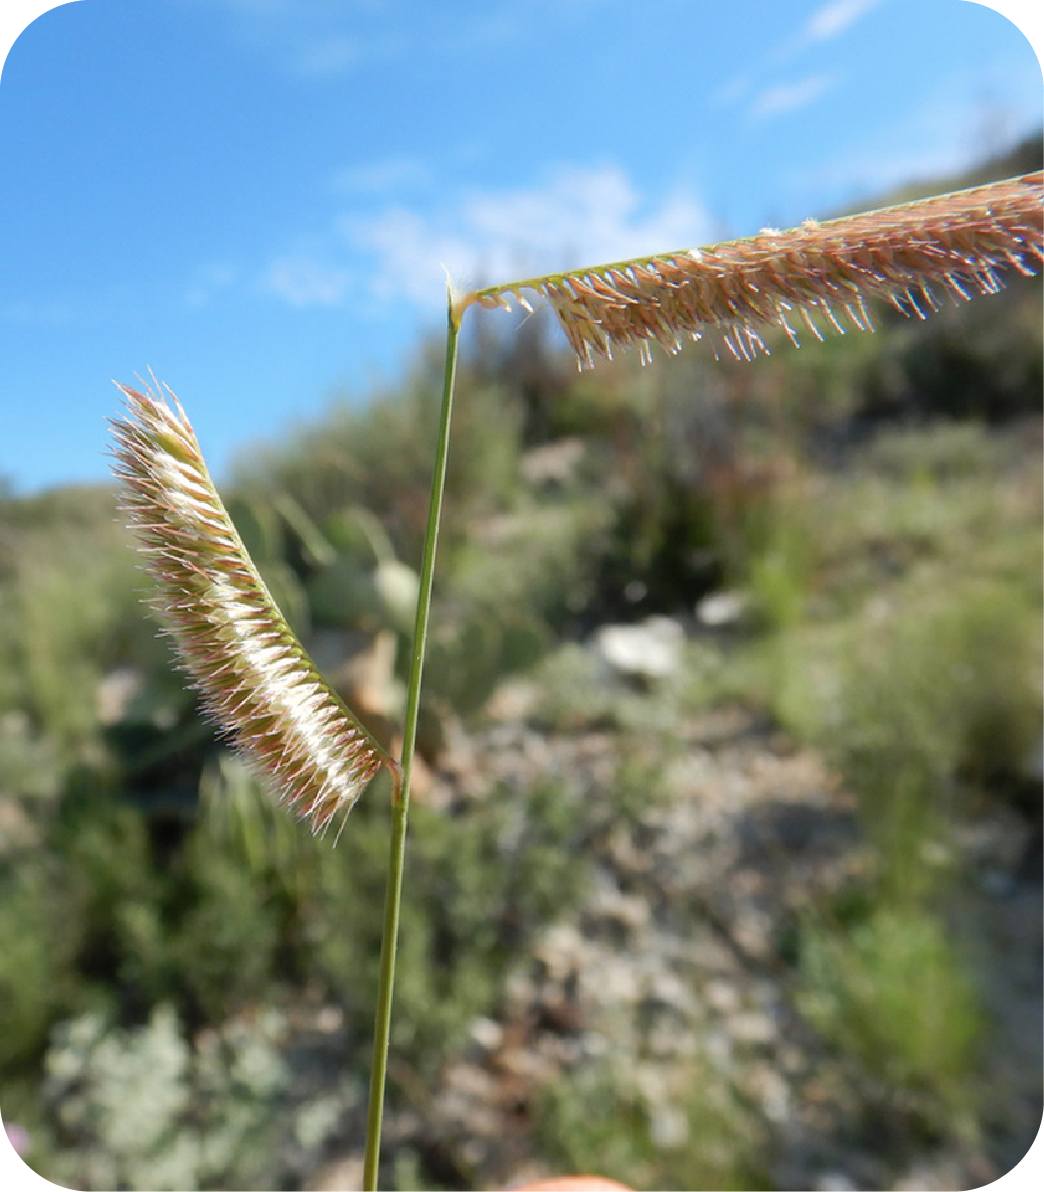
{"x":961,"y":243}
{"x":256,"y":681}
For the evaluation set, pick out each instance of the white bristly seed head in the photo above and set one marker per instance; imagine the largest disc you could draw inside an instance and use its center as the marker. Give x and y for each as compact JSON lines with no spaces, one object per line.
{"x":256,"y":681}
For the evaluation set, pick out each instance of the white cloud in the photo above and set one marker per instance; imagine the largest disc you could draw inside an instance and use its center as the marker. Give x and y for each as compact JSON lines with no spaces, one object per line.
{"x":259,"y":8}
{"x":319,"y":39}
{"x":381,"y":176}
{"x":579,"y":217}
{"x":308,"y":281}
{"x":734,"y":91}
{"x":834,"y":18}
{"x":788,"y":97}
{"x":329,"y":55}
{"x":827,"y":22}
{"x":486,"y":33}
{"x":206,"y":281}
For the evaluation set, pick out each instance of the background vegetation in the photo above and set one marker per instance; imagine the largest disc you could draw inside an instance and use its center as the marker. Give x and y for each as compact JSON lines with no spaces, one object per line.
{"x":187,"y":979}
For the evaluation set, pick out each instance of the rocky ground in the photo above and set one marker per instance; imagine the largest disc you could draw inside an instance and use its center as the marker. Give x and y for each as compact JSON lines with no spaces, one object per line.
{"x":672,"y":975}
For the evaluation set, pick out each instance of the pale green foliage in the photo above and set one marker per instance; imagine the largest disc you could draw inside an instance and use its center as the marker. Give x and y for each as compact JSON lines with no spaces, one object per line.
{"x":929,"y":683}
{"x":597,"y":1119}
{"x":239,"y":812}
{"x":480,"y":884}
{"x":224,"y":947}
{"x":69,"y":585}
{"x":29,"y":763}
{"x":378,"y":458}
{"x":31,"y":964}
{"x":895,"y":995}
{"x":141,"y":1109}
{"x":407,"y":1171}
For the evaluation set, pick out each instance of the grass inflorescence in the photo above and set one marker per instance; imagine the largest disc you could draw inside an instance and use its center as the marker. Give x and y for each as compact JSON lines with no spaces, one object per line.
{"x":256,"y":680}
{"x":961,"y":242}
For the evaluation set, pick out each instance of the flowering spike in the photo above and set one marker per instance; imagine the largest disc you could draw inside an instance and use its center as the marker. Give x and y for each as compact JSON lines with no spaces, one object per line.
{"x":256,"y":681}
{"x":960,"y":242}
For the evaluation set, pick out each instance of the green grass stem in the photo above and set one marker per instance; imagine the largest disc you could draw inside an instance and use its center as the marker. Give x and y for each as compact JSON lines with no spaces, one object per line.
{"x":400,"y":806}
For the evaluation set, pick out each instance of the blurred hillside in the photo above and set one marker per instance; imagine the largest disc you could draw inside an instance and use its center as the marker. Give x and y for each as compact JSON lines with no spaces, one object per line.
{"x":725,"y":860}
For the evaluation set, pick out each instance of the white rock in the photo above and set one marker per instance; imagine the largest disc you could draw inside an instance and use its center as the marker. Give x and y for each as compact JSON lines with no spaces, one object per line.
{"x":651,"y":649}
{"x":835,"y":1181}
{"x":722,"y":608}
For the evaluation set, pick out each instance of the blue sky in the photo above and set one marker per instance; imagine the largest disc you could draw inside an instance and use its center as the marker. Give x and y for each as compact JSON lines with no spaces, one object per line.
{"x":254,"y":198}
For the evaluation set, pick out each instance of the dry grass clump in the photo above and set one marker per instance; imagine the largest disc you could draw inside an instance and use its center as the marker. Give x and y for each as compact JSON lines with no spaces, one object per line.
{"x":961,"y":243}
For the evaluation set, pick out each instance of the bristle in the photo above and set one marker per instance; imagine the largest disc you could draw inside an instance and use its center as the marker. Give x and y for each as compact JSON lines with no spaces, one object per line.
{"x":959,"y":243}
{"x":256,"y":681}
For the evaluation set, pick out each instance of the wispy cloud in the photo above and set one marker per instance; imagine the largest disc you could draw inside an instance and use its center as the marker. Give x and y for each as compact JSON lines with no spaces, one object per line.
{"x":207,"y":281}
{"x":55,"y":312}
{"x":330,"y":55}
{"x":734,"y":91}
{"x":485,"y":33}
{"x":789,"y":97}
{"x":73,"y":308}
{"x":321,"y":39}
{"x":827,"y":22}
{"x":578,"y":216}
{"x":379,"y":177}
{"x":254,"y":9}
{"x":834,"y":18}
{"x":318,"y":40}
{"x":307,"y":280}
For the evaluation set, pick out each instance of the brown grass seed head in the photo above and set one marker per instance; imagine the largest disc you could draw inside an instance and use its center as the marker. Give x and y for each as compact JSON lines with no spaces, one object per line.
{"x":962,"y":243}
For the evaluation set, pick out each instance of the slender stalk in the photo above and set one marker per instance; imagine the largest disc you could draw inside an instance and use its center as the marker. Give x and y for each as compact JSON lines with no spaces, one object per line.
{"x":400,"y":806}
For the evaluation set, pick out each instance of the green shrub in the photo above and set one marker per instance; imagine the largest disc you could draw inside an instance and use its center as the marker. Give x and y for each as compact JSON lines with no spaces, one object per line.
{"x":894,"y":995}
{"x":378,"y":457}
{"x":931,"y":682}
{"x":695,"y":1134}
{"x":479,"y":885}
{"x":222,"y":945}
{"x":34,"y":967}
